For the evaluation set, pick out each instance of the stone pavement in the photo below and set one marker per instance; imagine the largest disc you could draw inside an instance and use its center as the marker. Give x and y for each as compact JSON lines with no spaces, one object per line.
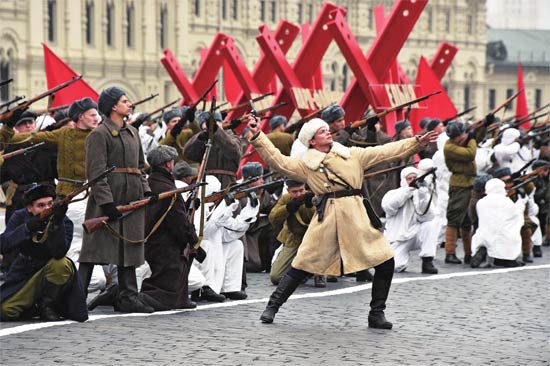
{"x":461,"y":316}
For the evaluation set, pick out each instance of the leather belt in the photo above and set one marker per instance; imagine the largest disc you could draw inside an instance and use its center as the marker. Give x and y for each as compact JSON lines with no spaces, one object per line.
{"x":127,"y":171}
{"x":320,"y":200}
{"x":222,"y":172}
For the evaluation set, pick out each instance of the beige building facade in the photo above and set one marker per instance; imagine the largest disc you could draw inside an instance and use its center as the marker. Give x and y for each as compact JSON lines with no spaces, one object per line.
{"x":120,"y":42}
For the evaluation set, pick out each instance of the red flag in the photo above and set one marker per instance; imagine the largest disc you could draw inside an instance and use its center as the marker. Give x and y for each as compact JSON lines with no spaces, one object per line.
{"x":521,"y":103}
{"x":57,"y":72}
{"x":438,"y":106}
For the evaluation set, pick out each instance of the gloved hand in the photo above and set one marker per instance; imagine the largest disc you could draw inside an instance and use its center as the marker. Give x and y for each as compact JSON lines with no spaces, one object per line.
{"x":139,"y":120}
{"x":371,"y":124}
{"x":36,"y":224}
{"x":234,"y":123}
{"x":471,"y":135}
{"x":14,"y":118}
{"x":489,"y":119}
{"x":59,"y":213}
{"x":153,"y":197}
{"x":293,"y":206}
{"x":203,"y":136}
{"x":175,"y":131}
{"x":109,"y":209}
{"x":190,"y":114}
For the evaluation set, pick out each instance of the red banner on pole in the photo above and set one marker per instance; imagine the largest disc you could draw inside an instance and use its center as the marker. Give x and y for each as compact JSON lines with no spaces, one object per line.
{"x":521,"y":103}
{"x":57,"y":72}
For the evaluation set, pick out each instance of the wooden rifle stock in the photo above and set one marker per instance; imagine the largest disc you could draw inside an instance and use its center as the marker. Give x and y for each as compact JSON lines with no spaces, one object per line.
{"x":298,"y":124}
{"x":95,"y":223}
{"x":203,"y":96}
{"x":25,"y":105}
{"x":149,"y":115}
{"x":361,"y":122}
{"x":216,"y":196}
{"x":68,"y":198}
{"x":512,"y":188}
{"x":21,"y":151}
{"x":388,"y":170}
{"x":245,"y":104}
{"x":144,"y":100}
{"x":446,"y":121}
{"x":477,"y":124}
{"x":52,"y":110}
{"x":261,"y":113}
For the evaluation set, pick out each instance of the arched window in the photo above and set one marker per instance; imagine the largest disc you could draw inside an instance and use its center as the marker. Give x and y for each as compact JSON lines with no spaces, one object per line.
{"x":163,"y":26}
{"x":5,"y":73}
{"x":89,"y":9}
{"x":197,"y":8}
{"x":224,"y":9}
{"x":130,"y":25}
{"x":262,"y":10}
{"x":345,"y":72}
{"x":52,"y":20}
{"x":110,"y":15}
{"x":235,"y":9}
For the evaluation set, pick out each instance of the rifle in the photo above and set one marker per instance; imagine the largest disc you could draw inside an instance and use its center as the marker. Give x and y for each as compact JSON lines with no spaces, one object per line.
{"x":361,"y":122}
{"x":231,"y":196}
{"x":195,"y":251}
{"x":52,"y":110}
{"x":477,"y":124}
{"x":298,"y":124}
{"x":417,"y":180}
{"x":203,"y":96}
{"x":146,"y":99}
{"x":261,"y":113}
{"x":388,"y":170}
{"x":6,"y":82}
{"x":48,"y":212}
{"x":95,"y":223}
{"x":21,"y":151}
{"x":16,"y":99}
{"x":217,"y":196}
{"x":242,"y":105}
{"x":510,"y":191}
{"x":25,"y":105}
{"x":522,"y":178}
{"x":517,"y":173}
{"x":446,"y":121}
{"x":148,"y":115}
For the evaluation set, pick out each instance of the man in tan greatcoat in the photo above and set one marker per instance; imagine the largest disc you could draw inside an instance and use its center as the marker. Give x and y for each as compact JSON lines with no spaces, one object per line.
{"x":116,"y":143}
{"x":335,"y":174}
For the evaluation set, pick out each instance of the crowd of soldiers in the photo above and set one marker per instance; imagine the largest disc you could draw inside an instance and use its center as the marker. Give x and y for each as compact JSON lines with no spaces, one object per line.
{"x":200,"y":230}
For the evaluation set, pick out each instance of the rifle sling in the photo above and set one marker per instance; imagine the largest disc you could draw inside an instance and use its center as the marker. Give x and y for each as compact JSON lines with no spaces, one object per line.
{"x":155,"y":227}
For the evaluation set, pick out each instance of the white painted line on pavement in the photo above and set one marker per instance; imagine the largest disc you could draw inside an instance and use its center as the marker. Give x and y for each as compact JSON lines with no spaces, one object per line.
{"x":348,"y":290}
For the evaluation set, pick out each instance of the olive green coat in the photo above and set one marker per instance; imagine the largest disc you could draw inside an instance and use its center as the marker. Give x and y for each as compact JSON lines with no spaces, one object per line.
{"x":345,"y":235}
{"x":461,"y":161}
{"x":282,"y":141}
{"x":109,"y":145}
{"x":71,"y":153}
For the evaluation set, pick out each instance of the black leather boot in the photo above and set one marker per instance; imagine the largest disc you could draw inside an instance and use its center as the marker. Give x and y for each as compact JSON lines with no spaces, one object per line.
{"x":537,"y":251}
{"x":107,"y":297}
{"x":364,"y":276}
{"x":127,"y":300}
{"x":210,"y":295}
{"x":284,"y":289}
{"x":381,"y":283}
{"x":46,"y":304}
{"x":85,"y":272}
{"x":428,"y":265}
{"x":479,"y":257}
{"x":452,"y":259}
